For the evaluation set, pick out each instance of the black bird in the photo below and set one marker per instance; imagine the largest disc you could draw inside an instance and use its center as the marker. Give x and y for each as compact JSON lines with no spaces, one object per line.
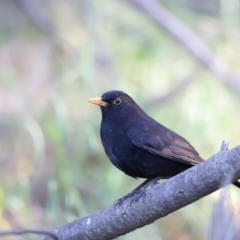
{"x":140,"y":146}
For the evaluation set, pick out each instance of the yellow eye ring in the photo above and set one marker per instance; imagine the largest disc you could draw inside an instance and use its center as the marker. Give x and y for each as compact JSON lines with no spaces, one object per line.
{"x":117,"y":101}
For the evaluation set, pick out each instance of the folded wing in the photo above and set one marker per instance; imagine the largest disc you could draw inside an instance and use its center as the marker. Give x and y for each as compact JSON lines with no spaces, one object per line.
{"x":165,"y":143}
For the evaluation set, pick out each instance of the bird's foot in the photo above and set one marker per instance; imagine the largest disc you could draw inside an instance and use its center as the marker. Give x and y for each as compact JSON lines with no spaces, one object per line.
{"x":138,"y":192}
{"x":120,"y":201}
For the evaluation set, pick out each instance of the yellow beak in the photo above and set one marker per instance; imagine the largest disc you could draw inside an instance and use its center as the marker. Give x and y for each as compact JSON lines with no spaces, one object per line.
{"x":98,"y":101}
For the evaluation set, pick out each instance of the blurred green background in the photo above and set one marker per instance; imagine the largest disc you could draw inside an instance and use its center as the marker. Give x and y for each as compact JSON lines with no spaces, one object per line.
{"x":54,"y":55}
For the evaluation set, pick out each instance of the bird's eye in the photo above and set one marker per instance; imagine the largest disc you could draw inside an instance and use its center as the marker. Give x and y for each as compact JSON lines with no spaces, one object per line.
{"x":117,"y":101}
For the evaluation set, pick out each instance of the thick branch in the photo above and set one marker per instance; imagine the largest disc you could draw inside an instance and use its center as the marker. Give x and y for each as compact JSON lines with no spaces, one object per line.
{"x":159,"y":201}
{"x":190,"y":40}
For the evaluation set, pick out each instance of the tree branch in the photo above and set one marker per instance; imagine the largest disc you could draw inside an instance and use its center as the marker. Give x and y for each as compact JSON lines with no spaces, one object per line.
{"x":190,"y":40}
{"x":52,"y":235}
{"x":178,"y":88}
{"x":159,"y":201}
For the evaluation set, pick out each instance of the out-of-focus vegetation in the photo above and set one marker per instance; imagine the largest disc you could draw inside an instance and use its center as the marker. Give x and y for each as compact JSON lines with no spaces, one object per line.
{"x":54,"y":55}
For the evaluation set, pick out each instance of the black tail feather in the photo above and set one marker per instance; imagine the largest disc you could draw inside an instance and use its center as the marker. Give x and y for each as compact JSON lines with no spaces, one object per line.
{"x":237,"y":184}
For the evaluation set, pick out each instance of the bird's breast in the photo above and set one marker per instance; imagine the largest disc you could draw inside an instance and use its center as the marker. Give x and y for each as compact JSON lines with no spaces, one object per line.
{"x":116,"y":144}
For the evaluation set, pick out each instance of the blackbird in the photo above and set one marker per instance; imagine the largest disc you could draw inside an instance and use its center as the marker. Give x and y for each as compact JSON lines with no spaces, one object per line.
{"x":140,"y":146}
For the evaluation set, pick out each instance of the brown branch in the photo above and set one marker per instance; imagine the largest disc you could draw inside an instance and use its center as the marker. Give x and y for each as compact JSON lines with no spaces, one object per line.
{"x":190,"y":40}
{"x":159,"y":201}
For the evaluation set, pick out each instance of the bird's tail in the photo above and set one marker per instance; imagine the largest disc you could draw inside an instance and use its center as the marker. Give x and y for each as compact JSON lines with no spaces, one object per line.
{"x":237,"y":184}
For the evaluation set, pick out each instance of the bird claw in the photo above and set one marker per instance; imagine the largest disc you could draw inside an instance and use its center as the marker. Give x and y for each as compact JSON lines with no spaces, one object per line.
{"x":120,"y":201}
{"x":137,"y":193}
{"x":135,"y":197}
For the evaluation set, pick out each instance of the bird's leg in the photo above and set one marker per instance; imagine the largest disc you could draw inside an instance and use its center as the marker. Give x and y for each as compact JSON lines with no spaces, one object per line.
{"x":145,"y":186}
{"x":138,"y":191}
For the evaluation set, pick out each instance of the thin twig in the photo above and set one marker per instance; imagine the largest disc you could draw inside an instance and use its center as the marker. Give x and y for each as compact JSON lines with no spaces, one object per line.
{"x":51,"y":234}
{"x":224,"y":145}
{"x":175,"y":91}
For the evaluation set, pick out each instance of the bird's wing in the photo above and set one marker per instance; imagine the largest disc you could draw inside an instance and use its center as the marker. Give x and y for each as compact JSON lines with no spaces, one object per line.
{"x":165,"y":143}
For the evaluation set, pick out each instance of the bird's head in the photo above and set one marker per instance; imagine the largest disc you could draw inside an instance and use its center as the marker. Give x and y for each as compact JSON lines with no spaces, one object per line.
{"x":115,"y":104}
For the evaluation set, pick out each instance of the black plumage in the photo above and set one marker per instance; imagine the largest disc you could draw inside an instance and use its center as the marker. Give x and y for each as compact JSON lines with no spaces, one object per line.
{"x":137,"y":144}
